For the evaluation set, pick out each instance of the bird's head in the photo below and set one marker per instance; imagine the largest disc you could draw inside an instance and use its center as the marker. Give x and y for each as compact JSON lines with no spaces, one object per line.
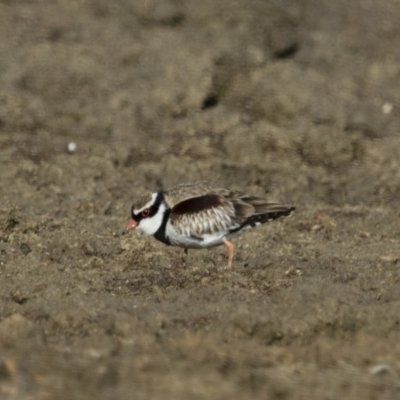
{"x":147,"y":213}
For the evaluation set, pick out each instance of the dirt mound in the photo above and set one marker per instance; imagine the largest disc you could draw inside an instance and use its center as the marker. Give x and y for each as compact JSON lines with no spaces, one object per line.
{"x":297,"y":101}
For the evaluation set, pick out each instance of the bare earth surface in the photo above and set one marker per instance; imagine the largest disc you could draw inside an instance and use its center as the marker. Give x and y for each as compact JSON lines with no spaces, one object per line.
{"x":295,"y":100}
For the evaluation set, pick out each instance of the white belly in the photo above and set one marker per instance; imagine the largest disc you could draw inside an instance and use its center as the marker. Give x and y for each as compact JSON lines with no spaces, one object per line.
{"x":201,"y":242}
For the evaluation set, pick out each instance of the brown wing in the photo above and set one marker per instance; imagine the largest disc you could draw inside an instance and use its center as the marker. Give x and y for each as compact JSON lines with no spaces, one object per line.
{"x":202,"y":214}
{"x":198,"y":204}
{"x":188,"y":191}
{"x":204,"y":207}
{"x":252,"y":209}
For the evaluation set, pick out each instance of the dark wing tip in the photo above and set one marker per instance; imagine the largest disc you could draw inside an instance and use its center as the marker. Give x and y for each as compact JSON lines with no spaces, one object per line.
{"x":270,"y":216}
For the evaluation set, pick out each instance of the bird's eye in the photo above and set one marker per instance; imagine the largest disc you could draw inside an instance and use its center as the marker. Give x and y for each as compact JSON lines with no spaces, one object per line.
{"x":146,"y":213}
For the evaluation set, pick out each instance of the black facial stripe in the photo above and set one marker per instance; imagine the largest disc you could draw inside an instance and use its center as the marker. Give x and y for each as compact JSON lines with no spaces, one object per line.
{"x":160,"y":234}
{"x":134,"y":216}
{"x":153,"y":209}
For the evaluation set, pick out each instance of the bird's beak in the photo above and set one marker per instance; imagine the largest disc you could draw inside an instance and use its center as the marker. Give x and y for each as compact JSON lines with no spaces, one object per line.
{"x":132,"y":225}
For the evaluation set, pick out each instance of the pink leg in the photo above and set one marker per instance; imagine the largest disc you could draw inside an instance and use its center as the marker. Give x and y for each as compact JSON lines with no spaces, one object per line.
{"x":231,"y":250}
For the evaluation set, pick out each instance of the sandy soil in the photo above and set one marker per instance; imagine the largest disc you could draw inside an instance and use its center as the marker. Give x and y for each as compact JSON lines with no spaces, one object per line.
{"x":298,"y":101}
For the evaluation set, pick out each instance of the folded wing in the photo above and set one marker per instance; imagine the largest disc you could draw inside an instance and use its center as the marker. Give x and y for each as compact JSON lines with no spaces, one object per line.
{"x":227,"y":210}
{"x":205,"y":214}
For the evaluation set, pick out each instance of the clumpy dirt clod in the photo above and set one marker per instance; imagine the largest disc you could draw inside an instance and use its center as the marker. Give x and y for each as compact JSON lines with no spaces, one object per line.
{"x":297,"y":101}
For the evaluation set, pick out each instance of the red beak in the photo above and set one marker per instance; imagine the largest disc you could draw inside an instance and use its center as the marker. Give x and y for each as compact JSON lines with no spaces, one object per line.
{"x":132,"y":225}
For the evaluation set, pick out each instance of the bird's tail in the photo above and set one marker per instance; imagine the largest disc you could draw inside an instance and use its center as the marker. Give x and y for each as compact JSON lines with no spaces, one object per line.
{"x":275,"y":212}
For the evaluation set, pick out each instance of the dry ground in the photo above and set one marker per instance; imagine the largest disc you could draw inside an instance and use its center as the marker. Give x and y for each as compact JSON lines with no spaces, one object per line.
{"x":295,"y":100}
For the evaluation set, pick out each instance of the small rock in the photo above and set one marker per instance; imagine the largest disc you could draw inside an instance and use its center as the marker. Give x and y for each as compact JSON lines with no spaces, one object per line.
{"x":19,"y":297}
{"x":40,"y":287}
{"x":15,"y":327}
{"x":72,"y":147}
{"x":24,"y":247}
{"x":391,"y":259}
{"x":381,"y":369}
{"x":7,"y":368}
{"x":387,"y":108}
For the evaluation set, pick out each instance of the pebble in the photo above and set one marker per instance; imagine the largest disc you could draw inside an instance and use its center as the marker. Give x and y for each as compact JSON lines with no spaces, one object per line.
{"x":72,"y":147}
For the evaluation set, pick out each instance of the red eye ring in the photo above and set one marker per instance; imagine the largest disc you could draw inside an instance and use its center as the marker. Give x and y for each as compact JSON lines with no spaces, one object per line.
{"x":146,"y":213}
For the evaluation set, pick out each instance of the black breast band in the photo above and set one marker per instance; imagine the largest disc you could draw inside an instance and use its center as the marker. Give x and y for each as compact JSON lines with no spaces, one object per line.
{"x":160,"y":234}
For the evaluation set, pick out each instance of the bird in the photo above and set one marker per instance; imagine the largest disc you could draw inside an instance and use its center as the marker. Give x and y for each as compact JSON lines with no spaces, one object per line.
{"x":201,"y":215}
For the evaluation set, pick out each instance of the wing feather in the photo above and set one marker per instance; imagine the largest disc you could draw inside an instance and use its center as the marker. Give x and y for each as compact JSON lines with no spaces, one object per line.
{"x":204,"y":208}
{"x":202,"y":214}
